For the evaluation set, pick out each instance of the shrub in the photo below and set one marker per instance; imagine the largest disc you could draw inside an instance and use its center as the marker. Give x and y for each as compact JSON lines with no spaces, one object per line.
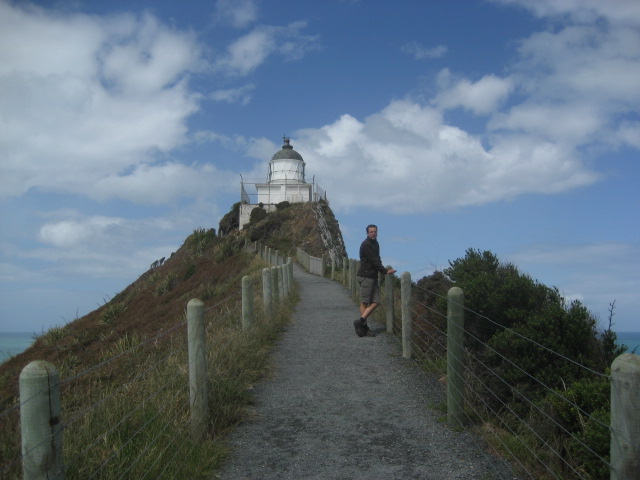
{"x":230,"y":221}
{"x":191,"y":269}
{"x":257,"y":214}
{"x":112,"y":311}
{"x":166,"y":284}
{"x":200,"y":240}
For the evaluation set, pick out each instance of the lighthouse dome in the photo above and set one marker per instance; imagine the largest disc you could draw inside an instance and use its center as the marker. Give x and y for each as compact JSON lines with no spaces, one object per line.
{"x":286,"y":165}
{"x":286,"y":153}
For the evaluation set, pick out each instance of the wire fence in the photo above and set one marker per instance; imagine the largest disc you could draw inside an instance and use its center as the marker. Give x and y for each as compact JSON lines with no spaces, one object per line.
{"x":508,"y":432}
{"x":139,"y":425}
{"x":520,"y":420}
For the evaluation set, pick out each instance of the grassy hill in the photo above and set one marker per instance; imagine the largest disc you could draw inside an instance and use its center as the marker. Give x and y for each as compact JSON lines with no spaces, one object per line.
{"x":143,"y":327}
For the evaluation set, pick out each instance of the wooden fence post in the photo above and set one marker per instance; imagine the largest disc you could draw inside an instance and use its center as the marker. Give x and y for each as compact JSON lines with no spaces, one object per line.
{"x":345,"y":271}
{"x":291,"y":272}
{"x":352,"y":275}
{"x":280,"y":271}
{"x":274,"y":286}
{"x":389,"y":306}
{"x":40,"y":424}
{"x":455,"y":355}
{"x":197,"y":369}
{"x":285,"y":279}
{"x":405,"y":285}
{"x":625,"y":417}
{"x":266,"y":294}
{"x":248,"y":315}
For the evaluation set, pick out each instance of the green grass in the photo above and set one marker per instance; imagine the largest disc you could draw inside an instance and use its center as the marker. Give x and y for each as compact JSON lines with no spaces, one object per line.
{"x":129,"y":417}
{"x":112,"y":311}
{"x":166,"y":284}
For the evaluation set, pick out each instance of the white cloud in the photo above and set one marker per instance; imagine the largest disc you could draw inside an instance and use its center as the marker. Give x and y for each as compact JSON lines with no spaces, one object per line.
{"x":573,"y":124}
{"x":250,"y":51}
{"x":419,"y":51}
{"x":629,"y":133}
{"x":408,"y":159}
{"x":238,"y":13}
{"x":74,"y":244}
{"x":164,"y":184}
{"x":240,"y":95}
{"x":482,"y":97}
{"x":85,"y":98}
{"x":622,"y":11}
{"x":70,"y":233}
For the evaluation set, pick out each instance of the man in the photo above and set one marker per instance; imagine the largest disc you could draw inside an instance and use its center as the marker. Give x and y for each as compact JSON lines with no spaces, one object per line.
{"x":370,"y":265}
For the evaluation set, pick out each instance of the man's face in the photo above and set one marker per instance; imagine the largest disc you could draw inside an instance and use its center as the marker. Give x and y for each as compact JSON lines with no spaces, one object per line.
{"x":372,"y":233}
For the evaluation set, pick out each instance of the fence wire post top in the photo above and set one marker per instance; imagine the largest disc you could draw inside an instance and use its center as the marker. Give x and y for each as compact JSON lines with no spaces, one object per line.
{"x":38,"y":368}
{"x":195,"y":302}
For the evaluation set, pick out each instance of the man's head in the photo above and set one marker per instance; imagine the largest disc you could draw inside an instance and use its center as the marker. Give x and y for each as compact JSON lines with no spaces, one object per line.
{"x":372,"y":231}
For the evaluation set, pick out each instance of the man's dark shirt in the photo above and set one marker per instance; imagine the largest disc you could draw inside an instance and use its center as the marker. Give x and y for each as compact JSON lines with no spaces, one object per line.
{"x":370,"y":262}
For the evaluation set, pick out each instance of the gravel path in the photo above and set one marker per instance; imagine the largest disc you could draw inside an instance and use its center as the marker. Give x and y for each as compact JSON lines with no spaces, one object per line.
{"x":344,"y":407}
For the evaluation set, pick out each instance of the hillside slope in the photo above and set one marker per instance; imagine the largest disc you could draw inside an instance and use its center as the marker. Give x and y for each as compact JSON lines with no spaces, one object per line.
{"x":206,"y":266}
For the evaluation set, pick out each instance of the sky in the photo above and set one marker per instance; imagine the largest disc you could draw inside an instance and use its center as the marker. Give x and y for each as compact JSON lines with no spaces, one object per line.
{"x":507,"y":125}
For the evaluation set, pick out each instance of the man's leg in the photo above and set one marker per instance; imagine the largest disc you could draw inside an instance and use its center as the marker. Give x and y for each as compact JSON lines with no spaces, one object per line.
{"x":362,"y":329}
{"x":368,"y":309}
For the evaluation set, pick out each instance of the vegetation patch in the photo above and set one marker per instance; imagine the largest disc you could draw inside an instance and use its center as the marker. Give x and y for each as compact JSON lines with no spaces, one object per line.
{"x":547,"y":413}
{"x":112,"y":311}
{"x":166,"y":284}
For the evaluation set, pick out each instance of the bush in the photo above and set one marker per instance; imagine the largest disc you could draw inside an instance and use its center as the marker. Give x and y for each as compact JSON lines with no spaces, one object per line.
{"x":113,"y":311}
{"x":257,"y":214}
{"x":200,"y":240}
{"x":517,"y":329}
{"x":231,"y":220}
{"x":166,"y":284}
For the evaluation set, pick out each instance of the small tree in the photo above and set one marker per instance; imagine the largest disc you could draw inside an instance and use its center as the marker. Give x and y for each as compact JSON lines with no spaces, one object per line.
{"x":257,"y":214}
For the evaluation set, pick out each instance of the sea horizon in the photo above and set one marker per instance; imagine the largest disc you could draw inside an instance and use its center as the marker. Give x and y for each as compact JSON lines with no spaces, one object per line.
{"x":13,"y":343}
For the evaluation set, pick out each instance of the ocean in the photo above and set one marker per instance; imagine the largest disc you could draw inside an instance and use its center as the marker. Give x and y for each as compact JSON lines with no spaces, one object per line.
{"x":631,"y":340}
{"x":12,"y":343}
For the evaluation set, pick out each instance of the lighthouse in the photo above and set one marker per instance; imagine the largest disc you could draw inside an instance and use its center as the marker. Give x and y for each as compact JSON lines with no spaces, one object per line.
{"x":285,"y":182}
{"x":285,"y":178}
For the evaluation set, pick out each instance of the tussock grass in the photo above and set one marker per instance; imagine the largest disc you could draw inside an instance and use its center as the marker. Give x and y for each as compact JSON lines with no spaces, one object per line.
{"x":166,"y":284}
{"x":112,"y":311}
{"x":128,"y":417}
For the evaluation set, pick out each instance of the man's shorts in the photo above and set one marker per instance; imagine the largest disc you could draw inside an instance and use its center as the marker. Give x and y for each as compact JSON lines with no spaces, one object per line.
{"x":369,"y":290}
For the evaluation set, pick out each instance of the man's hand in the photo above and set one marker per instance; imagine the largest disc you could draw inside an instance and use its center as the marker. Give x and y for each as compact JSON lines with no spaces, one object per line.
{"x":391,"y":271}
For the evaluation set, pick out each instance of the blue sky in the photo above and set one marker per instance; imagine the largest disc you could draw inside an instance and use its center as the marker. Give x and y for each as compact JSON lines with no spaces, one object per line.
{"x":507,"y":125}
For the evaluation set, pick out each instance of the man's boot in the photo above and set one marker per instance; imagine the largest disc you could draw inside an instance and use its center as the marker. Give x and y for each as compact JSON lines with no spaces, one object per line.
{"x":361,"y":327}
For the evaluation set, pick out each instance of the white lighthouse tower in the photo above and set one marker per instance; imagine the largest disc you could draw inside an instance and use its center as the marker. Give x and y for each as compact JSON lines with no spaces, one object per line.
{"x":285,"y":182}
{"x":285,"y":179}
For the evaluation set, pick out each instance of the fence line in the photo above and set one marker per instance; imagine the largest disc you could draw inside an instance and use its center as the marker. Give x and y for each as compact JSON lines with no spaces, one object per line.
{"x":468,"y":395}
{"x":428,"y":342}
{"x":153,"y":411}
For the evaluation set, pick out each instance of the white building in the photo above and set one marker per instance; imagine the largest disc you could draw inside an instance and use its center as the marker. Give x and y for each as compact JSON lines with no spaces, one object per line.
{"x":285,"y":182}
